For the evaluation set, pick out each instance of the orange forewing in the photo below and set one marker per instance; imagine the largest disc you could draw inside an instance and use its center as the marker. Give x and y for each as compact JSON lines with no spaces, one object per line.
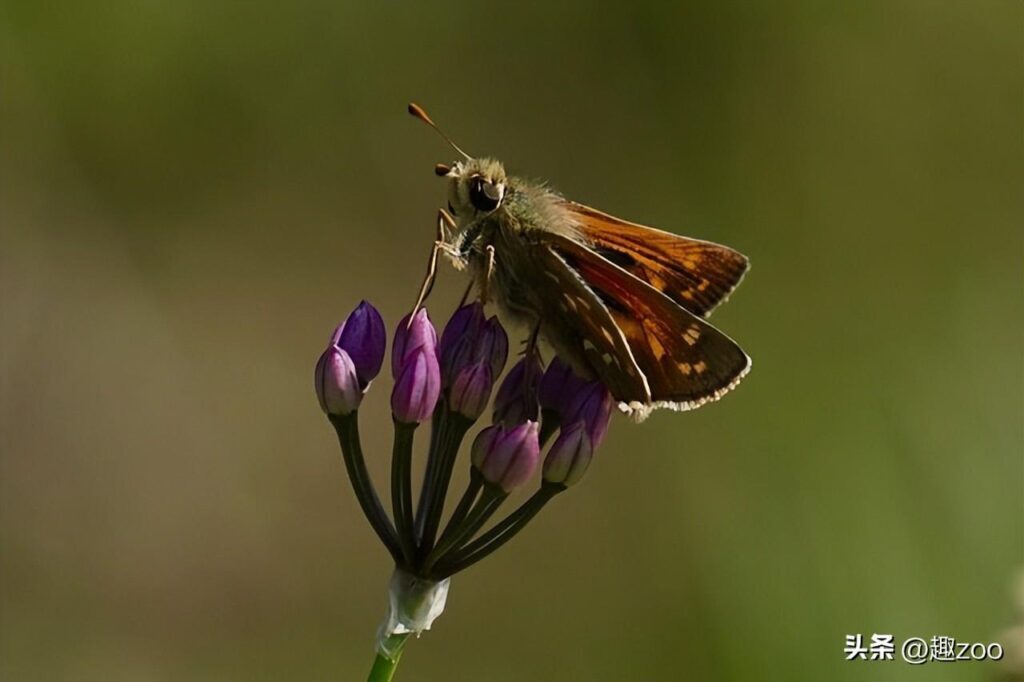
{"x":685,"y":360}
{"x":697,"y":275}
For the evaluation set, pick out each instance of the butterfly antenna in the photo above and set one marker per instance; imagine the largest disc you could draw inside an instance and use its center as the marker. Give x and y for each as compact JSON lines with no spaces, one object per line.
{"x":417,"y":111}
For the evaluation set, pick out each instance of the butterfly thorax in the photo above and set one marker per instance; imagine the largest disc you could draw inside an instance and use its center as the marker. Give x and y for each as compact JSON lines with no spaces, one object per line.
{"x":528,"y":213}
{"x":521,"y":280}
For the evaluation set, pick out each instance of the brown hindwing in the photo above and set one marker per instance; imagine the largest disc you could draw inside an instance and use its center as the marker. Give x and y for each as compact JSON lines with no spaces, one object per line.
{"x":685,"y":360}
{"x":592,"y":335}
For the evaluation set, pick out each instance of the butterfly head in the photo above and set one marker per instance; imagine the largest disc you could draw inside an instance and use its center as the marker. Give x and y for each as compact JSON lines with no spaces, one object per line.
{"x":476,"y":187}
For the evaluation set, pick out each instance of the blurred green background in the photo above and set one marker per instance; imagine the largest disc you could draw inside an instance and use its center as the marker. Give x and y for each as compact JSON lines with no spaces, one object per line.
{"x":193,"y":194}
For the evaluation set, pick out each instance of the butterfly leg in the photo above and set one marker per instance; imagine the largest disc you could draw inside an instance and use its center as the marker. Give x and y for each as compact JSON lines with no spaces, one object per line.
{"x":441,"y":243}
{"x":445,"y":222}
{"x":485,"y":284}
{"x":531,"y":341}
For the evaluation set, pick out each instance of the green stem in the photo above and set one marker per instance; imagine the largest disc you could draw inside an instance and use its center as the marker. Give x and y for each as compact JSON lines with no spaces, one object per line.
{"x":347,"y":428}
{"x":401,"y":489}
{"x":500,"y":534}
{"x":383,"y":669}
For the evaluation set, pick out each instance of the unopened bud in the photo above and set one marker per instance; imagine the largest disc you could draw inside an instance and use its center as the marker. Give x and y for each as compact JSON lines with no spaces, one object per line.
{"x":336,"y":382}
{"x":507,"y":457}
{"x":471,"y":391}
{"x":569,"y":456}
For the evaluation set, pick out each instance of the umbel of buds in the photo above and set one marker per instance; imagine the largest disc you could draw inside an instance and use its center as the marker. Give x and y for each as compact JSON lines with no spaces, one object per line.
{"x":449,"y":382}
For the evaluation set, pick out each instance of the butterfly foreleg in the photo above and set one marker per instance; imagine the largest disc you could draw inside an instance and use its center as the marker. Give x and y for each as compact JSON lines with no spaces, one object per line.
{"x":442,"y":243}
{"x":485,"y":281}
{"x":445,"y":223}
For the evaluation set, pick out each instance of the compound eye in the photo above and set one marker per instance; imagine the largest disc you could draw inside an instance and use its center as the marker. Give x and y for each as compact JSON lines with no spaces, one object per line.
{"x":484,"y":195}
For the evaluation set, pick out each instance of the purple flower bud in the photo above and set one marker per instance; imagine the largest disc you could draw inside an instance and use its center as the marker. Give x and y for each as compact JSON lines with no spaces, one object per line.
{"x":471,"y":390}
{"x":483,"y":443}
{"x":493,"y":345}
{"x":363,"y":337}
{"x":559,"y":386}
{"x":570,"y":456}
{"x":516,"y":401}
{"x":593,"y":405}
{"x":414,"y":365}
{"x":468,"y":339}
{"x":465,"y":321}
{"x":507,"y":457}
{"x":411,"y":337}
{"x":417,"y":387}
{"x":337,"y":384}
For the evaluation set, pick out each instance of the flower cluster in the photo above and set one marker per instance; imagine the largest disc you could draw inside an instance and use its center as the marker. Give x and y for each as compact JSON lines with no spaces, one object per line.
{"x":449,"y":381}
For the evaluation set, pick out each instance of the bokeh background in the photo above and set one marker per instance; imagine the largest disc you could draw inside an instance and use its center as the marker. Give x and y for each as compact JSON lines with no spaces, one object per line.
{"x":193,"y":194}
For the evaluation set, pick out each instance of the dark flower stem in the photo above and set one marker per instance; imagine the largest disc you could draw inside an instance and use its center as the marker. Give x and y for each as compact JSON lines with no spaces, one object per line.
{"x":490,"y":499}
{"x":500,"y":534}
{"x":401,"y":489}
{"x":451,"y":430}
{"x":476,"y":482}
{"x":474,"y":522}
{"x":347,"y":428}
{"x":430,"y":473}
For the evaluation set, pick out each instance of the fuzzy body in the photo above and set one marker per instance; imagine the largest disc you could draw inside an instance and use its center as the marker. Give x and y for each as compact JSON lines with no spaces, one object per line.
{"x":519,"y":280}
{"x":620,"y":302}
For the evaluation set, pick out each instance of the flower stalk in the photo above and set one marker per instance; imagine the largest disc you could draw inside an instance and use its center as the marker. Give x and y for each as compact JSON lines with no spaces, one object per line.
{"x":450,"y":382}
{"x":451,"y":429}
{"x":384,"y":666}
{"x":347,"y":428}
{"x":401,"y":489}
{"x":501,"y":533}
{"x":490,"y":499}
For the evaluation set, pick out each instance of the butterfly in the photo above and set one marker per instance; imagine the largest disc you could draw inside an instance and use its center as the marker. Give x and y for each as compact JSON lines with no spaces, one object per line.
{"x":620,"y":302}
